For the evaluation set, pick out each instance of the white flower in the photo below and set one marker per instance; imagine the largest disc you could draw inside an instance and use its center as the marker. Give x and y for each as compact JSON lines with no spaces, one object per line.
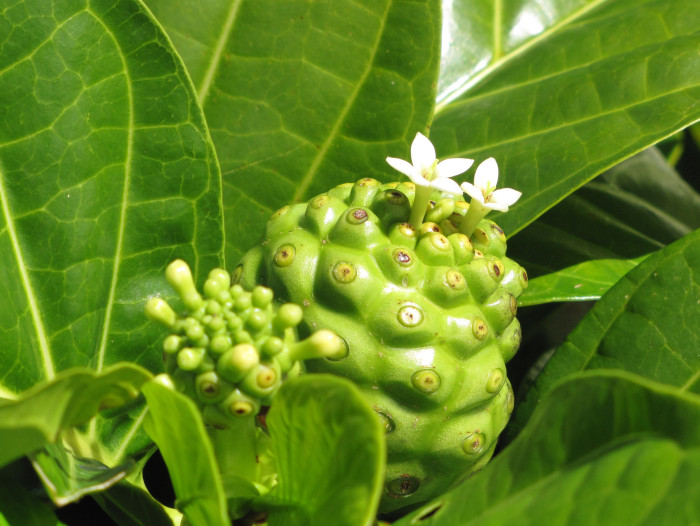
{"x":484,"y":188}
{"x":425,"y":169}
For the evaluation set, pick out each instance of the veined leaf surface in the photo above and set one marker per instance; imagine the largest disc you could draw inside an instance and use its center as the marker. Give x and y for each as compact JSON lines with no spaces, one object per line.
{"x":599,"y":82}
{"x":303,"y":95}
{"x":646,"y":324}
{"x":106,"y":175}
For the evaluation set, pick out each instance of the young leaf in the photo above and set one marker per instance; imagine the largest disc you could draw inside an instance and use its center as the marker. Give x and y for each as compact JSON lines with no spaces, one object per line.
{"x":175,"y":425}
{"x":72,"y":398}
{"x":576,"y":97}
{"x":635,"y":208}
{"x":646,"y":324}
{"x":583,"y":282}
{"x":302,"y":95}
{"x":604,"y":447}
{"x":330,"y":453}
{"x":106,"y":174}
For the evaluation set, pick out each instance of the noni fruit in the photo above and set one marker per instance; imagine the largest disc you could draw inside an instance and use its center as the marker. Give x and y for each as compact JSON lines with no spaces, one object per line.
{"x":427,"y":316}
{"x":232,"y":348}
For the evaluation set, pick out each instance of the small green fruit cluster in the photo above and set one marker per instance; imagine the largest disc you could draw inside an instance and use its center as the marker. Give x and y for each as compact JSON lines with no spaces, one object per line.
{"x":232,"y":349}
{"x":427,"y":315}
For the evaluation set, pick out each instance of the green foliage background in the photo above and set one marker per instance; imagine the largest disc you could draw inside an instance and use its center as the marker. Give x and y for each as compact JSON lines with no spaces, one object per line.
{"x":134,"y":133}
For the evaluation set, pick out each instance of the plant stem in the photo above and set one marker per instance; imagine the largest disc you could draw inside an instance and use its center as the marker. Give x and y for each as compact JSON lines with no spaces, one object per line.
{"x":420,"y":206}
{"x":475,"y":213}
{"x":236,"y":449}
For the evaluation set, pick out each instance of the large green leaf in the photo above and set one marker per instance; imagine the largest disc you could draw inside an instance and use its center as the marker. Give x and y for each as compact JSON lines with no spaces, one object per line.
{"x":329,"y":447}
{"x":603,"y":448}
{"x":569,"y":89}
{"x":647,"y":324}
{"x":106,"y":174}
{"x":302,"y":95}
{"x":175,"y":425}
{"x":633,"y":209}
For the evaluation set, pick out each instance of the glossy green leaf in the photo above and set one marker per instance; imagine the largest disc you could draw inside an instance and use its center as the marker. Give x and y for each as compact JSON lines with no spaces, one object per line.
{"x":595,"y":83}
{"x":583,"y":282}
{"x":329,"y":447}
{"x":73,"y":398}
{"x":19,"y":507}
{"x":175,"y":425}
{"x":603,"y":448}
{"x":303,"y":95}
{"x":106,"y":174}
{"x":634,"y":209}
{"x":646,"y":324}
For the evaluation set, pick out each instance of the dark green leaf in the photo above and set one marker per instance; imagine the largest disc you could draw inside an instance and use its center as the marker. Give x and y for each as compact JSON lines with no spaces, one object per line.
{"x":18,"y":507}
{"x":329,"y":446}
{"x":175,"y":425}
{"x":583,"y":282}
{"x":636,"y":208}
{"x":106,"y":174}
{"x":603,"y":448}
{"x":302,"y":95}
{"x":590,"y":85}
{"x":129,"y":505}
{"x":72,"y":398}
{"x":647,"y":324}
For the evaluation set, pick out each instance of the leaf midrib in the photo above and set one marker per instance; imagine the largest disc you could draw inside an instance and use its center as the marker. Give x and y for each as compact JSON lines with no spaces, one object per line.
{"x":212,"y":68}
{"x":320,"y":156}
{"x":509,"y":57}
{"x":44,"y":347}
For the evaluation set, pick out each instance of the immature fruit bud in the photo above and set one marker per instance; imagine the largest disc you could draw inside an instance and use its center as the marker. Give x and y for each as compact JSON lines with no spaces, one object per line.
{"x":426,"y":316}
{"x":231,"y":352}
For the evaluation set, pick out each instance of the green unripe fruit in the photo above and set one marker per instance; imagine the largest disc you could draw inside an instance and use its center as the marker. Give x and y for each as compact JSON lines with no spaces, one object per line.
{"x":426,"y":317}
{"x":231,"y":352}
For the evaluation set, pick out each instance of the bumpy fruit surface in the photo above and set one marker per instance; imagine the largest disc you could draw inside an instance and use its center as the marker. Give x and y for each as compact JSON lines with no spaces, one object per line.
{"x":427,"y":315}
{"x":232,"y":349}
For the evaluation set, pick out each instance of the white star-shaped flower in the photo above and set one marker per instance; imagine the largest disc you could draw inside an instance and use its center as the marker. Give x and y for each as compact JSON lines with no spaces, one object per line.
{"x":484,"y":188}
{"x":425,"y":170}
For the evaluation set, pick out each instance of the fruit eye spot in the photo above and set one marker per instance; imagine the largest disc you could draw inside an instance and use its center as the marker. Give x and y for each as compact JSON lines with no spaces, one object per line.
{"x":426,"y":381}
{"x":495,"y":381}
{"x":407,"y":230}
{"x":344,"y":272}
{"x":357,"y":216}
{"x":394,"y":197}
{"x":473,"y":443}
{"x":402,"y":257}
{"x":319,"y":201}
{"x":403,"y":486}
{"x":440,"y":242}
{"x":266,"y":377}
{"x":480,"y":328}
{"x":455,"y":280}
{"x":241,"y":408}
{"x":410,"y":316}
{"x":285,"y":255}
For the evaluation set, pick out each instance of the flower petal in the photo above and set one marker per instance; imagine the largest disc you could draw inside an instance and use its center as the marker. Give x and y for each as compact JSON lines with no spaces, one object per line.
{"x":446,"y":185}
{"x":422,"y":152}
{"x":402,"y":166}
{"x":505,"y":196}
{"x":473,"y":191}
{"x":452,"y":167}
{"x":486,"y":174}
{"x":496,"y":206}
